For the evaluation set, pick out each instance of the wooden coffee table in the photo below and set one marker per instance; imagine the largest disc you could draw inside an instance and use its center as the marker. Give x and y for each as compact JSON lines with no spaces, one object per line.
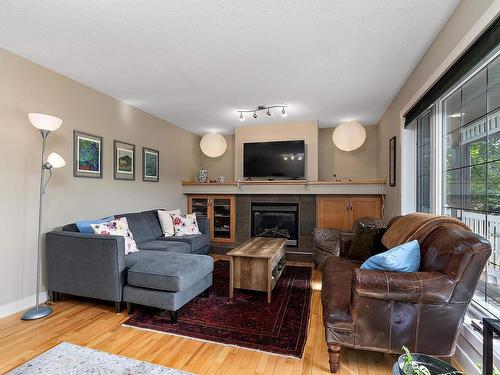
{"x":257,"y":264}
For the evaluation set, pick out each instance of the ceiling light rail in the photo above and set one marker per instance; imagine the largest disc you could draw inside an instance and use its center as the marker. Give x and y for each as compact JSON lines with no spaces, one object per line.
{"x":260,"y":108}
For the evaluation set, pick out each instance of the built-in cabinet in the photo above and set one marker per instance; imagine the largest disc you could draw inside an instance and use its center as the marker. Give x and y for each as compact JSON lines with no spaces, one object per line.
{"x":220,"y":210}
{"x":341,"y":211}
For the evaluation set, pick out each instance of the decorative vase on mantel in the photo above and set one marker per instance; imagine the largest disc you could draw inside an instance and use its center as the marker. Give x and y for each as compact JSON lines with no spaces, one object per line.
{"x":202,"y":176}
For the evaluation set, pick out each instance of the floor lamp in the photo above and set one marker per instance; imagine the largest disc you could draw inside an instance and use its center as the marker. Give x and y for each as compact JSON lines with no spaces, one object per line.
{"x":46,"y":124}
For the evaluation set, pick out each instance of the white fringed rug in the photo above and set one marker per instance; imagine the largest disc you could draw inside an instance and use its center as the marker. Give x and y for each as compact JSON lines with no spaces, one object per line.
{"x":72,"y":359}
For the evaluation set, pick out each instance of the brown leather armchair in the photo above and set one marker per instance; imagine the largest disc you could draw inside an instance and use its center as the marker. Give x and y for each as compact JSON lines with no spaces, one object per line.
{"x":382,"y":311}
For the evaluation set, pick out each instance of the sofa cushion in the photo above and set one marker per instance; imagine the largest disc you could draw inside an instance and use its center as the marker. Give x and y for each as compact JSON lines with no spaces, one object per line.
{"x":336,"y":291}
{"x":151,"y":218}
{"x":195,"y":241}
{"x":118,"y":227}
{"x":166,"y":246}
{"x":139,"y":227}
{"x":176,"y":273}
{"x":185,"y":225}
{"x":166,"y":221}
{"x":84,"y":225}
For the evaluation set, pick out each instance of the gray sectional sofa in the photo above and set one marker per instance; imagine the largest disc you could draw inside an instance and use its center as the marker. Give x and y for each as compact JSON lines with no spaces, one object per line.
{"x":166,"y":273}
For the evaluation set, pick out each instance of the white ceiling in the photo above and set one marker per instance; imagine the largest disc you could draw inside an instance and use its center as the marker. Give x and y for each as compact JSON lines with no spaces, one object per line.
{"x":194,"y":62}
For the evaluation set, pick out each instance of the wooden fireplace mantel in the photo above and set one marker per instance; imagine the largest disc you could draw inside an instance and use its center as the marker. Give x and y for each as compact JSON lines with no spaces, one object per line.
{"x":374,"y":187}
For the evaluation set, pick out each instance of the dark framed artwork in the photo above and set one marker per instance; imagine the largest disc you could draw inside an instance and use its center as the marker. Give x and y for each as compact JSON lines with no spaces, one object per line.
{"x":87,"y":155}
{"x":150,"y":165}
{"x":123,"y":160}
{"x":392,"y":161}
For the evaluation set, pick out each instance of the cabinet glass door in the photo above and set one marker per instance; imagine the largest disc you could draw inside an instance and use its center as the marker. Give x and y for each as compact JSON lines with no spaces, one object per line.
{"x":222,"y":218}
{"x":199,"y":206}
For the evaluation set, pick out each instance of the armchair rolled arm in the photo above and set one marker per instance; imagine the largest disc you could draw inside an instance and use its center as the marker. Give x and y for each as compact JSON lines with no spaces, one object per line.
{"x":417,"y":287}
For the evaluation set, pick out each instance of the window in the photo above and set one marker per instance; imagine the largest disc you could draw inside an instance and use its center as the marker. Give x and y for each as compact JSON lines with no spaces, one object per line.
{"x":467,"y":165}
{"x":423,"y":146}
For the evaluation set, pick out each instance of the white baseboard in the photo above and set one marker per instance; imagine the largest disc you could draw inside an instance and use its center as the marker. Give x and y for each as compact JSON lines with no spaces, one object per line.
{"x":21,"y":304}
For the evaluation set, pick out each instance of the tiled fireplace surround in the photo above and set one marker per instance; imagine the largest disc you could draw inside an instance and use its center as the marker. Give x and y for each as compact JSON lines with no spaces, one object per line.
{"x":307,"y":217}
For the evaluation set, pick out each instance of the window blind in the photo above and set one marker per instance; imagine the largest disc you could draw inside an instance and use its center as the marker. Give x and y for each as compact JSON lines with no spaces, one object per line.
{"x":488,"y":41}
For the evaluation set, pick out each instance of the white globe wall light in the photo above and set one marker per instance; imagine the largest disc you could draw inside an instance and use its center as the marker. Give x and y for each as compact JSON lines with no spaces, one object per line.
{"x":349,"y":136}
{"x":213,"y":144}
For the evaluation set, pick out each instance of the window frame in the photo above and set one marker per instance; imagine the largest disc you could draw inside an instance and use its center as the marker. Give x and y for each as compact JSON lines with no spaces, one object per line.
{"x":409,"y":154}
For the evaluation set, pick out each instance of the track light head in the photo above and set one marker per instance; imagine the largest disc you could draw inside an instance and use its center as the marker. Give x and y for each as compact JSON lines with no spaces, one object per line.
{"x":283,"y":112}
{"x":242,"y":118}
{"x":255,"y":115}
{"x":268,"y":112}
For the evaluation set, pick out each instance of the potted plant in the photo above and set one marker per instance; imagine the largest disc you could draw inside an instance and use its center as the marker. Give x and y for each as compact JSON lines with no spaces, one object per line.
{"x":421,"y":364}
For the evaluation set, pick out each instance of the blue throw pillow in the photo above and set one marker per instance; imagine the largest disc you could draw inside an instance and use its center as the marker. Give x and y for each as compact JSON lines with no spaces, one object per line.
{"x":84,"y":225}
{"x":402,"y":258}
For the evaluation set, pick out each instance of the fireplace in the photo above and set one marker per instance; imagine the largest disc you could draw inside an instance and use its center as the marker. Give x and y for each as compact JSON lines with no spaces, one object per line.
{"x":277,"y":220}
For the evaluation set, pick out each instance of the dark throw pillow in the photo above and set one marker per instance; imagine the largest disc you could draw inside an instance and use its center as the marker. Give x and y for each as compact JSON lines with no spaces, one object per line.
{"x":367,"y":241}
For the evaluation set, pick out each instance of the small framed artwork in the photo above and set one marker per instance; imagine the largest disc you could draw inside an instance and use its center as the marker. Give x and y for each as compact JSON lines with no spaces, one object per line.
{"x":124,"y":160}
{"x":392,"y":161}
{"x":87,"y":155}
{"x":150,"y":165}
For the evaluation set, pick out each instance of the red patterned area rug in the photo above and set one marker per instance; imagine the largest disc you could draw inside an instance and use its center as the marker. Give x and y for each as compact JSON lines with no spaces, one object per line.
{"x":247,"y":320}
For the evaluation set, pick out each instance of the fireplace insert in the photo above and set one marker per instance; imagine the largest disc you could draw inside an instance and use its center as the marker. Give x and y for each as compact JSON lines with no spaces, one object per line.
{"x":276,"y":220}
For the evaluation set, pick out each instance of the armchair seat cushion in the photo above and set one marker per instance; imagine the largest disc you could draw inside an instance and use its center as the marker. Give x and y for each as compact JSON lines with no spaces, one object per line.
{"x":166,"y":246}
{"x":195,"y":241}
{"x":177,"y":272}
{"x":335,"y":293}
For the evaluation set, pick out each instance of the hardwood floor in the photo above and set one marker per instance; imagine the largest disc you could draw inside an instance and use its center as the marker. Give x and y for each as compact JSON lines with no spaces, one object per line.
{"x":95,"y":325}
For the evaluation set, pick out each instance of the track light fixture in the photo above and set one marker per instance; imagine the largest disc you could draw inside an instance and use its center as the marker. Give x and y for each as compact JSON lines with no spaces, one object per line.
{"x":266,"y":108}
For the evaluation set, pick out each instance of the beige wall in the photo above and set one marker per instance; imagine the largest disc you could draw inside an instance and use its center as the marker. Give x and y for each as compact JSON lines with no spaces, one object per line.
{"x":357,"y":164}
{"x":466,"y":14}
{"x":223,"y":165}
{"x":27,"y":87}
{"x":307,"y":131}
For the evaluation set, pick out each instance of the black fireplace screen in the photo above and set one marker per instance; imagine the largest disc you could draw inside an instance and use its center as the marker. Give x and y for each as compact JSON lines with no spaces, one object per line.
{"x":276,"y":220}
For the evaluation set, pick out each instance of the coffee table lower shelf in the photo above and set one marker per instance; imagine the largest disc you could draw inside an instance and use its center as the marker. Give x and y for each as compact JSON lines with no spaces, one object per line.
{"x":258,"y":273}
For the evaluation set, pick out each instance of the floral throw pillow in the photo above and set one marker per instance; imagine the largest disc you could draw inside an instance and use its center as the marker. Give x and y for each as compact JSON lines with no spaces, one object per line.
{"x":185,"y":225}
{"x":118,"y":227}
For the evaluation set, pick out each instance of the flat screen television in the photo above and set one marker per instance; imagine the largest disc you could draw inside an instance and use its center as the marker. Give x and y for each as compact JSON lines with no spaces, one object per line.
{"x":281,"y":159}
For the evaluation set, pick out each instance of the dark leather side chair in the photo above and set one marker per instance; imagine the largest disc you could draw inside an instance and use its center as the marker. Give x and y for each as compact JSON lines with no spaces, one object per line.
{"x":382,"y":311}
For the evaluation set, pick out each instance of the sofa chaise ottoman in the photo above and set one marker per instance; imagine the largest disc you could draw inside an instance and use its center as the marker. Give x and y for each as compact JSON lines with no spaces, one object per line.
{"x":168,"y":281}
{"x":95,"y":266}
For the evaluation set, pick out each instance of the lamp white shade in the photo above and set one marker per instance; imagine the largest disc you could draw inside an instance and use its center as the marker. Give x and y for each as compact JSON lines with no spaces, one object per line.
{"x":213,"y":144}
{"x":349,"y":136}
{"x":45,"y":122}
{"x":56,"y":160}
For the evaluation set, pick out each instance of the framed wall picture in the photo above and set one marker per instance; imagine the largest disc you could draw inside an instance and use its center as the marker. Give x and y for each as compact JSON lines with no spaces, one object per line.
{"x":150,"y":165}
{"x":392,"y":161}
{"x":123,"y":160}
{"x":87,"y":155}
